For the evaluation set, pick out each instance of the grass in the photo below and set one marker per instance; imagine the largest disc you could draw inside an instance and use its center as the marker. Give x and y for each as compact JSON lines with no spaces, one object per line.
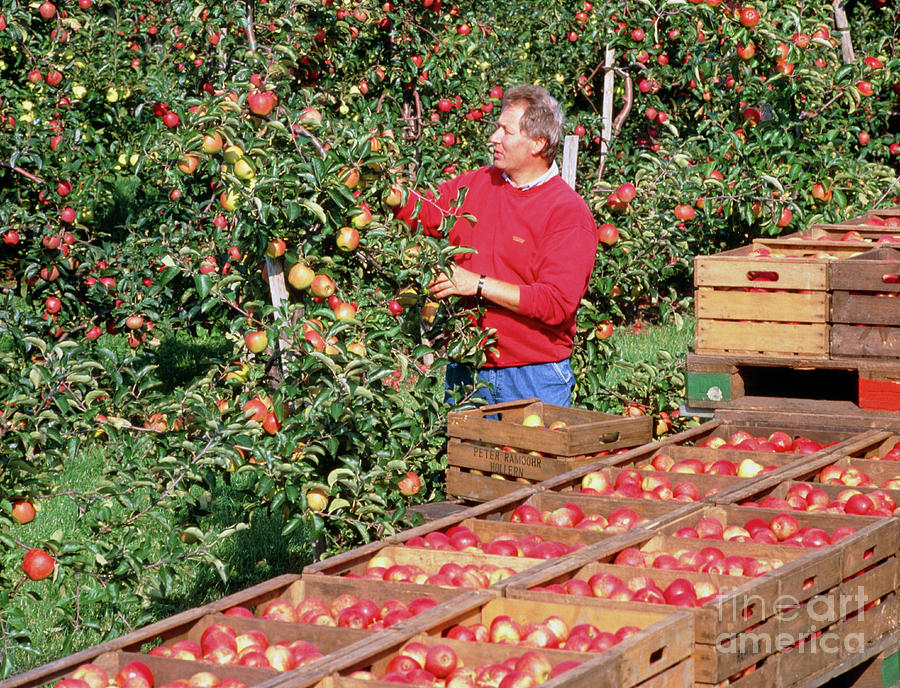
{"x":677,"y":338}
{"x":79,"y":614}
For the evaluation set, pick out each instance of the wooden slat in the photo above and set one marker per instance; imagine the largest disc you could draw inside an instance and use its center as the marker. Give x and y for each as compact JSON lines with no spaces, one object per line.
{"x":865,"y":341}
{"x":718,"y":304}
{"x":866,"y":272}
{"x":471,"y":487}
{"x":771,"y":338}
{"x":736,"y":268}
{"x":865,"y":309}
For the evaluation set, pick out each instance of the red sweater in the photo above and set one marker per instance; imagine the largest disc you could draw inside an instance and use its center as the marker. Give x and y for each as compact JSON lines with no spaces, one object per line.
{"x":544,"y":239}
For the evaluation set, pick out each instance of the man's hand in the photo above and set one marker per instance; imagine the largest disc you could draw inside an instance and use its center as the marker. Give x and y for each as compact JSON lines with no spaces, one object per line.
{"x":466,"y":283}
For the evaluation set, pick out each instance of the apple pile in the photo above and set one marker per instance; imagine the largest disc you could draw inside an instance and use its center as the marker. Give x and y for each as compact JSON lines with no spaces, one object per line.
{"x":551,"y":633}
{"x":221,"y":644}
{"x":854,"y":477}
{"x":747,"y":468}
{"x":462,"y":539}
{"x":449,"y":575}
{"x":632,"y":484}
{"x":346,"y":611}
{"x":781,"y":529}
{"x":138,"y":675}
{"x":778,"y":442}
{"x":808,"y":497}
{"x":570,"y":515}
{"x":707,"y":560}
{"x":641,"y":588}
{"x":439,"y":666}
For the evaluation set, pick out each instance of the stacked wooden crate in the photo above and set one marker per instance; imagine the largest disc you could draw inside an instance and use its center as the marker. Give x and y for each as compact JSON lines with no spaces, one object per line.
{"x":812,"y":313}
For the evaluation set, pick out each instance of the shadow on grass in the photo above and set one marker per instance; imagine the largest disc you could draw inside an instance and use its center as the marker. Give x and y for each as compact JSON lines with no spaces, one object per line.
{"x":250,"y":556}
{"x":184,"y":356}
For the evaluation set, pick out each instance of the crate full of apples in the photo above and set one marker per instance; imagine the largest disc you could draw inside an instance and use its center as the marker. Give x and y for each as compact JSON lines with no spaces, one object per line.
{"x":529,"y":441}
{"x":134,"y":670}
{"x":511,"y":537}
{"x":355,"y":603}
{"x":485,"y":647}
{"x":734,"y":587}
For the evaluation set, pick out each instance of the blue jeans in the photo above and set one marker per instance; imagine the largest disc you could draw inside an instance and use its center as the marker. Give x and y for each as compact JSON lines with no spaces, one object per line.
{"x":552,"y":383}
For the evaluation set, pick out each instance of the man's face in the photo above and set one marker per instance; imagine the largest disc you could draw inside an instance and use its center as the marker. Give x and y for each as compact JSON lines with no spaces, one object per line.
{"x":513,"y":150}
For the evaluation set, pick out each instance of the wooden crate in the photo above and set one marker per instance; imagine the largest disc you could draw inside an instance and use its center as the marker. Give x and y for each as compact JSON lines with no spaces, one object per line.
{"x":762,"y":338}
{"x":748,"y":605}
{"x":474,"y":487}
{"x":328,"y":589}
{"x":837,"y":642}
{"x":663,"y":644}
{"x":666,"y":636}
{"x":494,"y":521}
{"x":585,"y":432}
{"x":166,"y":670}
{"x":166,"y":628}
{"x":491,"y":442}
{"x":872,"y":219}
{"x":678,"y":447}
{"x":676,"y":676}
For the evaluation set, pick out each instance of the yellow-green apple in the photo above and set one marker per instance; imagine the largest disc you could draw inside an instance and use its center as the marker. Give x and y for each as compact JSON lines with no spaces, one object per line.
{"x":279,"y":657}
{"x":532,"y":420}
{"x":597,"y":481}
{"x":233,"y":153}
{"x":362,"y":217}
{"x":300,"y":276}
{"x":93,"y":674}
{"x":504,"y":630}
{"x":748,"y":468}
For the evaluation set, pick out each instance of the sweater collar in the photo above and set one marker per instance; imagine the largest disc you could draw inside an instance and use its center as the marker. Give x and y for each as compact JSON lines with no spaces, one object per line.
{"x":543,"y":179}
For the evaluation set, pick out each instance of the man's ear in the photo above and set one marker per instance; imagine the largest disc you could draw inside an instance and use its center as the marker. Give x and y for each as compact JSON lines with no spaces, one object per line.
{"x":537,"y":145}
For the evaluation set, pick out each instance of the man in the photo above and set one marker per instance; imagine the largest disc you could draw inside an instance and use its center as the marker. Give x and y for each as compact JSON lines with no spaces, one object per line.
{"x":535,"y":242}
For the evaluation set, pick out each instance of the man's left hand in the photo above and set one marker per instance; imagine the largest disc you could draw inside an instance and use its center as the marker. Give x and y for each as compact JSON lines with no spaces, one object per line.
{"x":466,"y":282}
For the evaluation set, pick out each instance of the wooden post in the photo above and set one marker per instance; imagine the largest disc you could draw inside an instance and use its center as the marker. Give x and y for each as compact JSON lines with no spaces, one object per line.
{"x":279,"y":294}
{"x":843,"y":28}
{"x":607,"y":109}
{"x":570,"y":160}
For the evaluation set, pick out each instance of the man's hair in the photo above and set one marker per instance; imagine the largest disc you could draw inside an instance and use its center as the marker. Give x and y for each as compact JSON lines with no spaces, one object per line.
{"x":542,"y":118}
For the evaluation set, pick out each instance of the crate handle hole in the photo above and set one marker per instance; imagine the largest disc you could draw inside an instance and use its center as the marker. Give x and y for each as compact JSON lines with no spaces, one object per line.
{"x":656,"y":655}
{"x":890,"y":279}
{"x":869,"y":553}
{"x":762,"y":276}
{"x":809,"y":582}
{"x":748,"y":611}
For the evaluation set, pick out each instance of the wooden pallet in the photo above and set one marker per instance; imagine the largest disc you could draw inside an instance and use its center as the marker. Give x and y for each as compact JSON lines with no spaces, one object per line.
{"x":841,"y":387}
